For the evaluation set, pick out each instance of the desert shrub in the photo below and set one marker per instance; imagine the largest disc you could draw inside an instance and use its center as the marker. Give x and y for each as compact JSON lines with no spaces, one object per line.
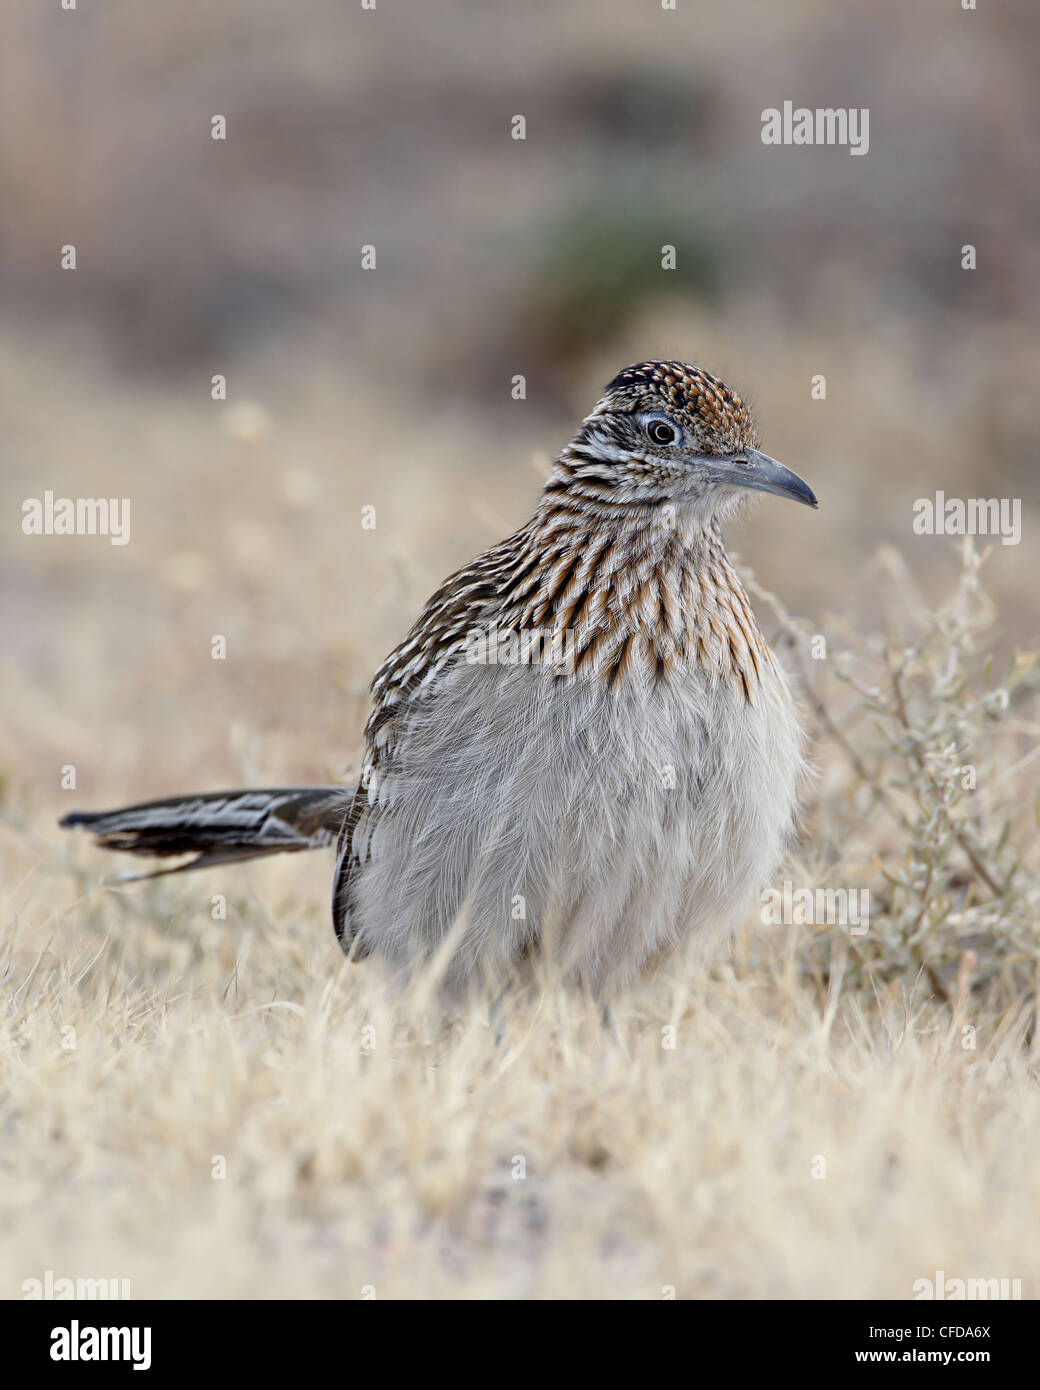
{"x":925,"y":743}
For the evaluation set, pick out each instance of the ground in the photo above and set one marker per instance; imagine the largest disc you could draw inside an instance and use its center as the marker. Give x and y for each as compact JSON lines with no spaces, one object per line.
{"x":221,"y":1106}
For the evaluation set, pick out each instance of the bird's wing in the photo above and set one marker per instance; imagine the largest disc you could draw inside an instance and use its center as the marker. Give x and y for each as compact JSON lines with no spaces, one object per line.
{"x":436,"y":640}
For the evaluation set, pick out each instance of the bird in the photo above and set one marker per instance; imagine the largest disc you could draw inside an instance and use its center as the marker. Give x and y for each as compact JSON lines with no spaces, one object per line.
{"x":583,"y":755}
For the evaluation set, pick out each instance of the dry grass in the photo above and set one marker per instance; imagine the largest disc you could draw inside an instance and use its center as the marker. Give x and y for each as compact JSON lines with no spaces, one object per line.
{"x":370,"y":1145}
{"x":391,"y":1158}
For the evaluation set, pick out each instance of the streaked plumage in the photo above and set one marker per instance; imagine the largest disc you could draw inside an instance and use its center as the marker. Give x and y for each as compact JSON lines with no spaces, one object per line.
{"x":584,"y":748}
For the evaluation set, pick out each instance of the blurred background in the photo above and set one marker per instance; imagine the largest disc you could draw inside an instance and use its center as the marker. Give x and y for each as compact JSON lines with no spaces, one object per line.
{"x":391,"y":387}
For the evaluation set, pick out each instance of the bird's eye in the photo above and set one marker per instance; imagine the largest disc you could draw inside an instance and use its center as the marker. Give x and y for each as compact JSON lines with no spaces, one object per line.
{"x":661,"y":432}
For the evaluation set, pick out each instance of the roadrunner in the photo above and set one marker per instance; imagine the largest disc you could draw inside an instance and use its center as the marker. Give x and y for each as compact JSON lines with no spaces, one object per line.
{"x":584,"y":752}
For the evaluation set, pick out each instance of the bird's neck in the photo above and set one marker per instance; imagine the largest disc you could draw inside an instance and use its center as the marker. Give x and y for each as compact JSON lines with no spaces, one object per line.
{"x":634,"y":590}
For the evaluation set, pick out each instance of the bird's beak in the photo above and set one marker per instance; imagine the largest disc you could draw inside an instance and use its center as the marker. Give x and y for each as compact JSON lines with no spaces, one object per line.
{"x":753,"y":469}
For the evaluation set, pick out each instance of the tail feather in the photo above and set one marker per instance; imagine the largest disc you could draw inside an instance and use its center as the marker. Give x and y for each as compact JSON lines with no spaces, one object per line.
{"x":221,"y":827}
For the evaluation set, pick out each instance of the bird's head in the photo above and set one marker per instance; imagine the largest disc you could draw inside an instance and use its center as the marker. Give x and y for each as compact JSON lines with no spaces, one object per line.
{"x":666,"y":432}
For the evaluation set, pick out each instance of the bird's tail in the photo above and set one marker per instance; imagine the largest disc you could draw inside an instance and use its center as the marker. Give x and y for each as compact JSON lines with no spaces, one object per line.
{"x":221,"y":827}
